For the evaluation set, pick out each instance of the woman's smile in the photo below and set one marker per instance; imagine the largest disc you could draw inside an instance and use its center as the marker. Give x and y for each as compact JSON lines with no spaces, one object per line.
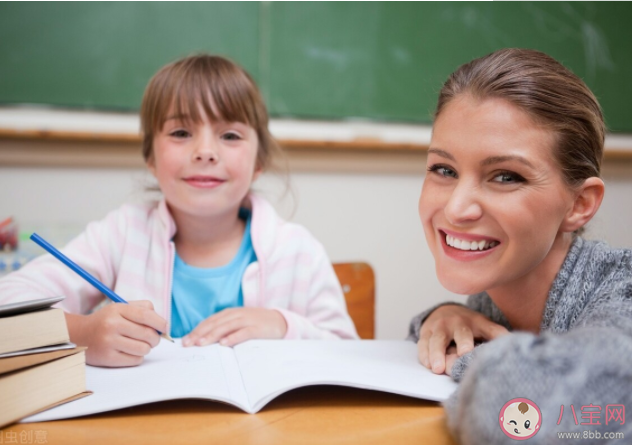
{"x":467,"y":247}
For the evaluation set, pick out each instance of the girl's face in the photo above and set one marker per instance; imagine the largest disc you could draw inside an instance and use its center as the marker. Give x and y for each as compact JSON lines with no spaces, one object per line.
{"x":494,"y":200}
{"x":204,"y":169}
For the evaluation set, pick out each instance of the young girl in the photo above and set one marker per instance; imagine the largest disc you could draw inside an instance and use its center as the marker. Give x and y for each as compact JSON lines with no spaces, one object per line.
{"x":513,"y":176}
{"x":210,"y":262}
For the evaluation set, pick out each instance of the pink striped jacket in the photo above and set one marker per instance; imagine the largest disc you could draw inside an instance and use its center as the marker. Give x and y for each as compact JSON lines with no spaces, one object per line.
{"x":131,"y":252}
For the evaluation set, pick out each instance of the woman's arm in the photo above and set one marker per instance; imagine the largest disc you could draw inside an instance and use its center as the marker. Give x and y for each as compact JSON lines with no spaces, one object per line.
{"x":437,"y":329}
{"x":480,"y":303}
{"x":588,"y":365}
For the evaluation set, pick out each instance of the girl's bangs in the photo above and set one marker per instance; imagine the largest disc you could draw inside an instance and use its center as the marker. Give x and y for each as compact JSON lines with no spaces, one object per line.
{"x":215,"y":98}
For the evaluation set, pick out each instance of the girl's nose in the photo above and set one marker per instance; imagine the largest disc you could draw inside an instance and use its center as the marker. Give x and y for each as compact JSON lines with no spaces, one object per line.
{"x":206,"y":151}
{"x":210,"y":156}
{"x":463,"y":205}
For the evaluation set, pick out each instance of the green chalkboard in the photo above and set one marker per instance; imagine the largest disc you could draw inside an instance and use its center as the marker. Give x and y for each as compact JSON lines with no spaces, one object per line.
{"x":101,"y":55}
{"x":335,"y":60}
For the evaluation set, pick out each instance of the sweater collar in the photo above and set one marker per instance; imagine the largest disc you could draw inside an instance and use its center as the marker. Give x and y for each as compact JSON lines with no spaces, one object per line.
{"x":560,"y":284}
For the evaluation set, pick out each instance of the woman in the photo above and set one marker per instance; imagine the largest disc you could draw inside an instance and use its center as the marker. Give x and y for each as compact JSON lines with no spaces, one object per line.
{"x":513,"y":177}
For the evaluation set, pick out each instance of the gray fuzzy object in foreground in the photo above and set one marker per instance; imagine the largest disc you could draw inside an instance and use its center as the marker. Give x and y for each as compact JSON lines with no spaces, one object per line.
{"x":582,"y":356}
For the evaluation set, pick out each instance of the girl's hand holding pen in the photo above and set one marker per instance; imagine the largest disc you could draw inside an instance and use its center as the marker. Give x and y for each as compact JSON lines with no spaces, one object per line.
{"x":236,"y":325}
{"x":118,"y":334}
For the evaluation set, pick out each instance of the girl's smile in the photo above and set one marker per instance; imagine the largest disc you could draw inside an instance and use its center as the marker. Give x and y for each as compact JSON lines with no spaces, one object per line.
{"x":204,"y":182}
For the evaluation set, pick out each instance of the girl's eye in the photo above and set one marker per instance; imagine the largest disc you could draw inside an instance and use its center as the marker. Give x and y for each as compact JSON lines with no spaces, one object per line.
{"x":514,"y":422}
{"x":507,"y":177}
{"x":180,"y":134}
{"x":527,"y":424}
{"x":231,"y":136}
{"x":442,"y":170}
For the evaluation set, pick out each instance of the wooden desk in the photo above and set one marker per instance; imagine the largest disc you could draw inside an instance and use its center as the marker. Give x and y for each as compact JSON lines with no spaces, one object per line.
{"x":313,"y":415}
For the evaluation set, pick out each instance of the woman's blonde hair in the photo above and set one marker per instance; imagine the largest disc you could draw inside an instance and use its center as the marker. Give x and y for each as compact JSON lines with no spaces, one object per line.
{"x":547,"y":91}
{"x":223,"y":90}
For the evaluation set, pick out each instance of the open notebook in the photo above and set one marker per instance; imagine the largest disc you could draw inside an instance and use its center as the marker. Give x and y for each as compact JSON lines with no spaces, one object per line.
{"x":253,"y":373}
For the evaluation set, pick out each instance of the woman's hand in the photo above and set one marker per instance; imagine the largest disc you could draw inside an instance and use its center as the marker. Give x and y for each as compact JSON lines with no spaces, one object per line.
{"x":449,"y":325}
{"x":236,"y":325}
{"x":118,"y":334}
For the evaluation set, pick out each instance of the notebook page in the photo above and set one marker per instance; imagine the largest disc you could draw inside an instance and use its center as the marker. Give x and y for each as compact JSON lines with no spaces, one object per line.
{"x":169,"y":372}
{"x":271,"y":367}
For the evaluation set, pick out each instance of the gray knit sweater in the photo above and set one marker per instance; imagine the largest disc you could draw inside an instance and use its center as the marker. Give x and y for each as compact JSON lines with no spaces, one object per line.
{"x":582,"y":356}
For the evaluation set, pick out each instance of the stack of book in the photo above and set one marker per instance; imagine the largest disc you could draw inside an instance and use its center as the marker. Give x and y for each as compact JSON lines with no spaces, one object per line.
{"x":39,"y":367}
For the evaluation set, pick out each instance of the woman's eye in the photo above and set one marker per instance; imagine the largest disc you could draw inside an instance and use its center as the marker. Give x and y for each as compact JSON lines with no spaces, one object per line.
{"x":180,"y":134}
{"x":507,"y":177}
{"x":527,"y":424}
{"x":442,"y":170}
{"x":231,"y":136}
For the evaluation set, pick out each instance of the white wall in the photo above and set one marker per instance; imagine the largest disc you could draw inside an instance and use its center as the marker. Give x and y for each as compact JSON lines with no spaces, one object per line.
{"x":358,"y":216}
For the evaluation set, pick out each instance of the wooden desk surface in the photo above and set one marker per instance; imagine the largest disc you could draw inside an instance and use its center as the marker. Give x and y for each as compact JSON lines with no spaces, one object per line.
{"x":313,"y":415}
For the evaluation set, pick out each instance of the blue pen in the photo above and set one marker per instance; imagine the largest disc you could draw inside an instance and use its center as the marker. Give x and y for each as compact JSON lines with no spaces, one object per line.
{"x":83,"y":274}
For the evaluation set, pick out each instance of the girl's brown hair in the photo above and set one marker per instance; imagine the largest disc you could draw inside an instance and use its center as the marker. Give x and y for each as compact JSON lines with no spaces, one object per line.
{"x":219,"y":86}
{"x":550,"y":93}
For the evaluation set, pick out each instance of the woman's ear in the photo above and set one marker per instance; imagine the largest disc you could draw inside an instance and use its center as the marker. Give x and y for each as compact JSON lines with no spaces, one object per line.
{"x":587,"y":201}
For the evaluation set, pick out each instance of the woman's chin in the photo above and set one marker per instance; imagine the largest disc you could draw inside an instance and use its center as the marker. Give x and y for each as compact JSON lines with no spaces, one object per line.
{"x":461,"y":285}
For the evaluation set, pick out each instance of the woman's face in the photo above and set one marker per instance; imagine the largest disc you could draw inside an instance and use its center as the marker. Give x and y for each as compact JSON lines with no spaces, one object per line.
{"x":494,"y":199}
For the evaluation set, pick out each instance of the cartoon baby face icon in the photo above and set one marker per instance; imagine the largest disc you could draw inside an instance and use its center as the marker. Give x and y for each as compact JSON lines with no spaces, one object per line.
{"x":520,"y":419}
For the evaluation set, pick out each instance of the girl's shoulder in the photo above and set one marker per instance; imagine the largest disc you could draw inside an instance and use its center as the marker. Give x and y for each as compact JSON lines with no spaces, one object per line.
{"x":144,"y":210}
{"x":272,"y":233}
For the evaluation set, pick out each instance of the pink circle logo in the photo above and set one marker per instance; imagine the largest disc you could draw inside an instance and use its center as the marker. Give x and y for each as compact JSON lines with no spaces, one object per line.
{"x":520,"y":419}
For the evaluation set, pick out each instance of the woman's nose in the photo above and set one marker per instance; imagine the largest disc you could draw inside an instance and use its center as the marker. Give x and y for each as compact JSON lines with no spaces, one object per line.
{"x":463,"y":205}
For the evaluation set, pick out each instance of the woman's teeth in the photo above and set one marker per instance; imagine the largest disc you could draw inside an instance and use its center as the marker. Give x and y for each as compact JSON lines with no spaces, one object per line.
{"x":469,"y":245}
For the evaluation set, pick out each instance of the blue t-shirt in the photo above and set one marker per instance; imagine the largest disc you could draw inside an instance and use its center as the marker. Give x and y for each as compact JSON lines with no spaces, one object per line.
{"x":199,"y":292}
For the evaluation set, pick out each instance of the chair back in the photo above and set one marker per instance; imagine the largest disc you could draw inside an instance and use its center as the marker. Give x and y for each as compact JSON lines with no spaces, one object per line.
{"x":358,"y":284}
